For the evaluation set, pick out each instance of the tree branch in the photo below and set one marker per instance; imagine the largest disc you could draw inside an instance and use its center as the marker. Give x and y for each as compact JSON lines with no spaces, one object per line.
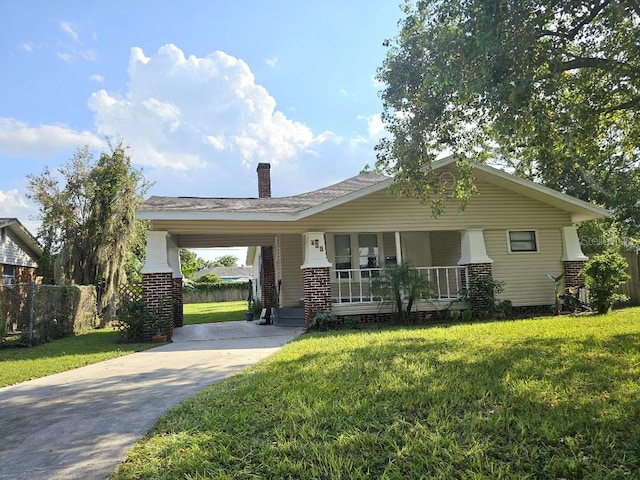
{"x":634,"y":102}
{"x":571,"y":34}
{"x":592,"y":62}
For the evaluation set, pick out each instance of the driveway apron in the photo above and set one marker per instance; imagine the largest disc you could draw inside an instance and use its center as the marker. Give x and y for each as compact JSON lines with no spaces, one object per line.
{"x":80,"y":424}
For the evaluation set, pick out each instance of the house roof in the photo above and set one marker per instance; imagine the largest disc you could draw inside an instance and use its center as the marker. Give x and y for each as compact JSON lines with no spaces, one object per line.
{"x":296,"y":207}
{"x":20,"y":231}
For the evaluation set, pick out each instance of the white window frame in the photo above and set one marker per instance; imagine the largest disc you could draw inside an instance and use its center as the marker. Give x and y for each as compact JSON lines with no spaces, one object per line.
{"x":355,"y":257}
{"x":536,"y":239}
{"x":8,"y":279}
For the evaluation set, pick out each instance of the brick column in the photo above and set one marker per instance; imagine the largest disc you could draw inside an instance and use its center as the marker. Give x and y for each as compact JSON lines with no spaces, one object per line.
{"x":157,"y":295}
{"x":178,"y":315}
{"x":477,"y":271}
{"x":572,"y":276}
{"x":267,"y":280}
{"x":317,"y":291}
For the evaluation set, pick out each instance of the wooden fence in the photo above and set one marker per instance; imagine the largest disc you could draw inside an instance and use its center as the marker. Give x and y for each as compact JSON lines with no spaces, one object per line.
{"x":632,"y":288}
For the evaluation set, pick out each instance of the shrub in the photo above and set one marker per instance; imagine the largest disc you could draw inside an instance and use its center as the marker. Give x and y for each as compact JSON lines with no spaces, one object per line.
{"x":322,"y":320}
{"x":487,"y":290}
{"x":131,"y":315}
{"x":604,"y":273}
{"x":209,"y":278}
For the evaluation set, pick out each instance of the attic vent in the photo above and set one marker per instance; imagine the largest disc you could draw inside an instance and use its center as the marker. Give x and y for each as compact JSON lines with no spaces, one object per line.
{"x":448,"y":181}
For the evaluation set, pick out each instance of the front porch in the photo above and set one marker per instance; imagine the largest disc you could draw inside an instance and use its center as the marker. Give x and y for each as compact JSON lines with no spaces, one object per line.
{"x":352,"y":293}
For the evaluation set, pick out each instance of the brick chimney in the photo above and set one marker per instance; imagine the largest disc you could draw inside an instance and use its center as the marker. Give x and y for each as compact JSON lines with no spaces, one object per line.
{"x":264,"y":180}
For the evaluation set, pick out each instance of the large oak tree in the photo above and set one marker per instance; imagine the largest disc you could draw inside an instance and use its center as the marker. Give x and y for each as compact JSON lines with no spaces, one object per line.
{"x":547,"y":88}
{"x":87,"y":214}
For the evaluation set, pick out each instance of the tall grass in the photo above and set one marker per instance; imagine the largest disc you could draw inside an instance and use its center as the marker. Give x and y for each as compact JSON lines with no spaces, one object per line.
{"x":546,"y":398}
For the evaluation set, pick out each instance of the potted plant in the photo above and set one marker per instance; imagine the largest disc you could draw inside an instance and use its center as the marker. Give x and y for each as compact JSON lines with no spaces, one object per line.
{"x":248,"y":316}
{"x":160,"y":335}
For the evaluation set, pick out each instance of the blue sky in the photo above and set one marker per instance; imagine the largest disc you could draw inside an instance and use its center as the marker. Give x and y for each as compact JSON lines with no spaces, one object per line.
{"x":201,"y":91}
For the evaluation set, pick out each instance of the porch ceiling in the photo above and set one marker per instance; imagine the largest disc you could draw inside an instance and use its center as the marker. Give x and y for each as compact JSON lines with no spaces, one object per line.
{"x":222,"y":240}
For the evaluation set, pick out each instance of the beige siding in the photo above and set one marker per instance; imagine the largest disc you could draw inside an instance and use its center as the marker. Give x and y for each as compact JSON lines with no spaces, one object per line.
{"x":525,"y":274}
{"x":492,"y":208}
{"x":292,"y":288}
{"x":445,"y":248}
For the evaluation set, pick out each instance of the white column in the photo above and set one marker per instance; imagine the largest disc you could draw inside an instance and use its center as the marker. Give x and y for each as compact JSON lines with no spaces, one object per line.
{"x":571,"y":249}
{"x":472,"y":248}
{"x":315,"y":251}
{"x":398,"y":249}
{"x":157,"y":260}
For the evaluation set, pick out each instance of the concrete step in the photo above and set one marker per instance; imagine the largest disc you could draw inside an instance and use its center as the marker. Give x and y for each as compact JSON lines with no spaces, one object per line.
{"x":289,"y":317}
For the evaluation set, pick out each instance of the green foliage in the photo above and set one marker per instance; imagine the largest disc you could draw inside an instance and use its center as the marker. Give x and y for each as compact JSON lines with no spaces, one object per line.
{"x":322,"y":320}
{"x":190,"y":263}
{"x":226,"y":261}
{"x":487,"y":289}
{"x":209,"y":278}
{"x":400,"y":286}
{"x":88,"y":223}
{"x":256,"y":307}
{"x":190,"y":286}
{"x":549,"y":88}
{"x":527,"y":399}
{"x":130,"y":321}
{"x":604,"y":273}
{"x":351,"y":321}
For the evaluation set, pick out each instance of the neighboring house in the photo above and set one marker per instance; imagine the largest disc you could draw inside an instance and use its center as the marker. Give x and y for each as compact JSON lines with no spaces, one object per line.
{"x":326,"y":245}
{"x":19,"y":253}
{"x":228,"y":274}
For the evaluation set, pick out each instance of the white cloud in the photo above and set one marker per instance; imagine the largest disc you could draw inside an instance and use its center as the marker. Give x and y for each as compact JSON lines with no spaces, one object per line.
{"x":97,"y":78}
{"x":17,"y":139}
{"x":200,"y":125}
{"x":15,"y":205}
{"x":67,"y":28}
{"x":27,"y":47}
{"x":89,"y":55}
{"x":65,"y":57}
{"x":271,"y":61}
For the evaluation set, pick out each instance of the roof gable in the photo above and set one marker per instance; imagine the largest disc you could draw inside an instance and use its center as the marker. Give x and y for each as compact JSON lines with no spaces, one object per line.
{"x":27,"y":241}
{"x":297,"y":207}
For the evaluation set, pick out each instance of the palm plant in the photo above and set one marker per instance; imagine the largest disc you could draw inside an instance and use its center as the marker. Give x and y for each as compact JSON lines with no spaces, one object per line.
{"x":400,"y":286}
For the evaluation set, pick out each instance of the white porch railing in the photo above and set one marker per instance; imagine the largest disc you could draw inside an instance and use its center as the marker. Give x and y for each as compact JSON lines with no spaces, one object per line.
{"x":353,"y":285}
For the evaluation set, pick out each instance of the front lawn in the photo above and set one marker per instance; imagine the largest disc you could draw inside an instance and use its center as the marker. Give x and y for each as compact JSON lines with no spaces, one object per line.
{"x":214,"y":312}
{"x":555,"y":397}
{"x":20,"y":364}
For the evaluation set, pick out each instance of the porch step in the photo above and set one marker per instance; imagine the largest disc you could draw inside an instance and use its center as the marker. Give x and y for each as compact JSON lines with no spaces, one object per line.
{"x":289,"y":317}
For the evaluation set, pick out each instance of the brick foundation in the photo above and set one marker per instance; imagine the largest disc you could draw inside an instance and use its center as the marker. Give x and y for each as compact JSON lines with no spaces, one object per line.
{"x":572,"y":269}
{"x":157,"y":293}
{"x":317,"y":291}
{"x":178,"y":315}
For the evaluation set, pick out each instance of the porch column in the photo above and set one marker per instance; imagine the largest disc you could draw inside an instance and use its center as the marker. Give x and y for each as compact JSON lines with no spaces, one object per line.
{"x":157,"y":280}
{"x":398,"y":249}
{"x":473,"y":255}
{"x":316,"y":276}
{"x":174,"y":262}
{"x":573,"y":260}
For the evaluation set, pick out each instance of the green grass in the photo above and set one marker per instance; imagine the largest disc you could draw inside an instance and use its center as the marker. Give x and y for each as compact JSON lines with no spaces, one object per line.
{"x":20,"y":364}
{"x":214,"y":312}
{"x":527,"y":399}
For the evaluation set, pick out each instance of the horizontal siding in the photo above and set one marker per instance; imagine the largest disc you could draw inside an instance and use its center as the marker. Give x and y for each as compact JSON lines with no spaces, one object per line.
{"x":492,"y":208}
{"x":525,"y":274}
{"x":12,"y":254}
{"x":292,"y":288}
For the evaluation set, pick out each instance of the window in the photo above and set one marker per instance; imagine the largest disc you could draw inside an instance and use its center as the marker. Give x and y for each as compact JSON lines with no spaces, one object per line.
{"x":8,"y":275}
{"x":345,"y":247}
{"x":522,"y":241}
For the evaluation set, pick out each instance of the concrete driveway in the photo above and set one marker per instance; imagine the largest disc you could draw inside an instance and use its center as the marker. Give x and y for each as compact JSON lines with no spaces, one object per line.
{"x":79,"y":424}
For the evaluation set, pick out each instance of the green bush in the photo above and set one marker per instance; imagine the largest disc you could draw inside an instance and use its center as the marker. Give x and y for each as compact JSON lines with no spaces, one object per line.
{"x":131,"y":317}
{"x":322,"y":320}
{"x":487,"y":289}
{"x":604,"y":273}
{"x":209,"y":278}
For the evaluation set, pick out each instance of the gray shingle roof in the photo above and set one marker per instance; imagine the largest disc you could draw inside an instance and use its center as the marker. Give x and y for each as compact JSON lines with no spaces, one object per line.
{"x":292,"y":204}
